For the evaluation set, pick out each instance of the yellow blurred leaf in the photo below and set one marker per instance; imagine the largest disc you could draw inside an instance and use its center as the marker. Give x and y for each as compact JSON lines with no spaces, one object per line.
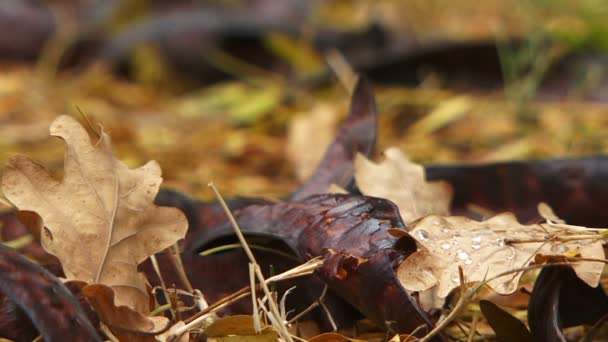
{"x":238,"y":328}
{"x":446,"y":112}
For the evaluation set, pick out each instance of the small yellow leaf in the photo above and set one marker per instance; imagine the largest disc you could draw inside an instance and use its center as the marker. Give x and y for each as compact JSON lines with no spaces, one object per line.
{"x":239,"y":328}
{"x":446,"y":112}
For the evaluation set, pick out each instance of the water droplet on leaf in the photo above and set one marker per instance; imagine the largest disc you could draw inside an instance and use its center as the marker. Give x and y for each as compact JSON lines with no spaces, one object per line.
{"x":421,"y":235}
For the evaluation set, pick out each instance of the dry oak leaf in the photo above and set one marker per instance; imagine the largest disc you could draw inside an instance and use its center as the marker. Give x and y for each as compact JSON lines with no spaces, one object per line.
{"x":403,"y":182}
{"x":123,"y":321}
{"x":488,"y":248}
{"x":100,"y":220}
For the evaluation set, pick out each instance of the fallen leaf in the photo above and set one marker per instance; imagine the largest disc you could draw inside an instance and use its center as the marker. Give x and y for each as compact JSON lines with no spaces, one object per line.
{"x":357,"y":237}
{"x":239,"y":328}
{"x":506,"y":326}
{"x":333,"y":337}
{"x":100,"y":221}
{"x":308,"y":137}
{"x":403,"y":182}
{"x":446,"y":112}
{"x":357,"y":134}
{"x":122,"y":320}
{"x":488,"y":248}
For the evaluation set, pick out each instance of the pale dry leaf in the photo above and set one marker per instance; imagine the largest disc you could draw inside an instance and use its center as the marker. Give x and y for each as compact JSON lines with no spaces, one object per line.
{"x":239,"y":328}
{"x":548,"y":214}
{"x":122,"y":321}
{"x":100,"y":220}
{"x":403,"y":182}
{"x":308,"y":137}
{"x":483,"y":250}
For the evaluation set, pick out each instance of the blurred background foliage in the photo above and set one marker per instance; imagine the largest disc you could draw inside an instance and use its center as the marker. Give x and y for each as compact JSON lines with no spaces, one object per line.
{"x":248,"y":93}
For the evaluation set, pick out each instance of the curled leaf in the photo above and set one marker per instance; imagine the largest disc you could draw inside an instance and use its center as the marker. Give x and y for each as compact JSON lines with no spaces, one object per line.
{"x":34,"y":297}
{"x":124,"y":322}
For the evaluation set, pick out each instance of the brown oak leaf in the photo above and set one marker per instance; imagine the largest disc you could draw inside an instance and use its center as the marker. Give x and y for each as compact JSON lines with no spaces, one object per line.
{"x":100,"y":220}
{"x":403,"y":182}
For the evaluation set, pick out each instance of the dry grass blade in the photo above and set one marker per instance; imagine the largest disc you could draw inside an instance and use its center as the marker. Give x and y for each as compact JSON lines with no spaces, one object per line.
{"x":274,"y":308}
{"x":198,"y":319}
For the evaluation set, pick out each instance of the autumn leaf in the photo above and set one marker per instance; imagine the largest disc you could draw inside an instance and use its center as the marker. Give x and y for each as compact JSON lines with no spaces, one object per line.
{"x":304,"y":152}
{"x":100,"y":219}
{"x":488,"y":248}
{"x":403,"y":182}
{"x":122,"y":320}
{"x":239,"y":328}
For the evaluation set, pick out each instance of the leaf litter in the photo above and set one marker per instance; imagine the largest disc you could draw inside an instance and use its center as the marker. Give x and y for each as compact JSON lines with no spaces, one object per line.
{"x":483,"y":249}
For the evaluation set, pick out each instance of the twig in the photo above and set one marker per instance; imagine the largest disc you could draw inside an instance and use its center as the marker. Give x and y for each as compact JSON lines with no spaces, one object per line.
{"x":471,"y":292}
{"x":473,"y":327}
{"x":310,"y":307}
{"x":195,"y":320}
{"x":162,"y":282}
{"x":256,"y":314}
{"x":555,"y":238}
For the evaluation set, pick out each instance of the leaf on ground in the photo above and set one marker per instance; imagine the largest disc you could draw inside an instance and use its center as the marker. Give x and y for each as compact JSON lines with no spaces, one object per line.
{"x":100,"y":220}
{"x":239,"y":328}
{"x":357,"y":134}
{"x":333,"y":337}
{"x":308,"y":138}
{"x":362,"y":240}
{"x":487,"y":248}
{"x":122,"y":320}
{"x":506,"y":326}
{"x":403,"y":182}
